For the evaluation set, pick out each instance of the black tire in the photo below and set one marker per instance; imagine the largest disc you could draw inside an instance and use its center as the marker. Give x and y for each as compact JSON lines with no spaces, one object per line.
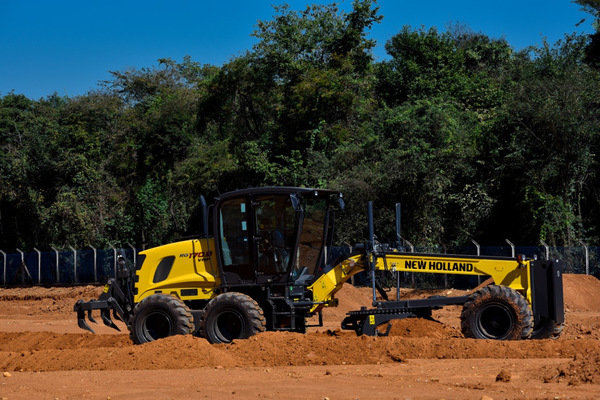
{"x":498,"y":313}
{"x":231,"y":316}
{"x":159,"y":316}
{"x":544,"y":328}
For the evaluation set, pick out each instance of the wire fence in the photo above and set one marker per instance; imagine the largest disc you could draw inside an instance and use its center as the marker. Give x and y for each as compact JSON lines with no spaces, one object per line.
{"x":91,"y":266}
{"x":61,"y":267}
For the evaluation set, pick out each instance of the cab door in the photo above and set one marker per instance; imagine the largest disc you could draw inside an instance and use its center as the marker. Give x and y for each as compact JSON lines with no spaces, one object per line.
{"x":234,"y":238}
{"x":275,"y":224}
{"x":256,"y":235}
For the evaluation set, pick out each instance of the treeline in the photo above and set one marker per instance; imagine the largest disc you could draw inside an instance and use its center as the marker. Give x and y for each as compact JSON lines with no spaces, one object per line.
{"x":475,"y":139}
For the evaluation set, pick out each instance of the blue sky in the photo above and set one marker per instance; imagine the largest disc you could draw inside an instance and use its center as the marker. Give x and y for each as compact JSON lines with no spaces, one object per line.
{"x":68,"y":46}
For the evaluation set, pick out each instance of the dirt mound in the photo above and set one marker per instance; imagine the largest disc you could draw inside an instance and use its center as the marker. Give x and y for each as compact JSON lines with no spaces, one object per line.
{"x":35,"y":300}
{"x":43,"y":351}
{"x":55,"y":293}
{"x":581,"y":292}
{"x":350,"y":298}
{"x":585,"y":368}
{"x":421,"y":328}
{"x":39,"y":351}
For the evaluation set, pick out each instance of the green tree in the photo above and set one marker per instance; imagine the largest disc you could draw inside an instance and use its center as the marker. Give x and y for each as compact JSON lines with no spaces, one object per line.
{"x":305,"y":87}
{"x":550,"y":141}
{"x":592,"y":49}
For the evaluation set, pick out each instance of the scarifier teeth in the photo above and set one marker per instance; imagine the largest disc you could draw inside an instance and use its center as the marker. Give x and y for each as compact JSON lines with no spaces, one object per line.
{"x":105,"y":314}
{"x":81,"y":321}
{"x":116,"y":316}
{"x":90,"y":317}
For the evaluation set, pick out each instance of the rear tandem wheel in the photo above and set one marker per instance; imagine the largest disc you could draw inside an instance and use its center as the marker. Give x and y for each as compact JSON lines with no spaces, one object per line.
{"x":231,"y":316}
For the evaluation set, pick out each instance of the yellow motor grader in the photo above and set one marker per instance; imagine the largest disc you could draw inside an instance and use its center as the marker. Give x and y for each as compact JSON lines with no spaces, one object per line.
{"x":265,"y":268}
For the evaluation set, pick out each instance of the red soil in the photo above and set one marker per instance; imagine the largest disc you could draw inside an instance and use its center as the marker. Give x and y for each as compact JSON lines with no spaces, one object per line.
{"x":43,"y":354}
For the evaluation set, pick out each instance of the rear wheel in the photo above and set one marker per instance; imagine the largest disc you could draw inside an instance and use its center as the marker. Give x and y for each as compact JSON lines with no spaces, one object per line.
{"x":496,"y":312}
{"x":231,"y":316}
{"x":159,"y":316}
{"x":544,"y":328}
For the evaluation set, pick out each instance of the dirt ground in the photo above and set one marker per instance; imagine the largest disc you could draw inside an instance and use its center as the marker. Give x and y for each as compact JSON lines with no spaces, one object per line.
{"x":44,"y":355}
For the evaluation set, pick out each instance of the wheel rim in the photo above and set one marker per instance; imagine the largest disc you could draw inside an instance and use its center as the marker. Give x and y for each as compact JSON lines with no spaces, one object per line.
{"x":495,"y":321}
{"x":230,"y":325}
{"x":156,"y":325}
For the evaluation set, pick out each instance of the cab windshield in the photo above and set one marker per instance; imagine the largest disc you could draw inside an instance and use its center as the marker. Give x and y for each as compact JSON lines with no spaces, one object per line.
{"x":311,"y":240}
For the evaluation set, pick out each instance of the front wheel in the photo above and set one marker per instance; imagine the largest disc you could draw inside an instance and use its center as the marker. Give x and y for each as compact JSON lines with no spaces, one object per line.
{"x":159,"y":316}
{"x":498,"y":313}
{"x":231,"y":316}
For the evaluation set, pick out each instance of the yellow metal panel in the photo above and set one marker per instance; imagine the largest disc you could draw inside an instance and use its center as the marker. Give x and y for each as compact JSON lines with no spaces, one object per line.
{"x":504,"y":271}
{"x":328,"y":284}
{"x":507,"y":272}
{"x":194,"y":267}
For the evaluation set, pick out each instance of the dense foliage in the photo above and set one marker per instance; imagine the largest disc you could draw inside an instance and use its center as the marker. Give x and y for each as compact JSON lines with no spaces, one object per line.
{"x":475,"y":139}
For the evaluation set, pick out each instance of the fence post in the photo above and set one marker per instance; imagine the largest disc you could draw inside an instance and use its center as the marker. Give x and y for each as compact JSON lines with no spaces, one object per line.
{"x":95,"y":265}
{"x":512,"y":246}
{"x":22,"y":262}
{"x":547,"y":249}
{"x":74,"y":263}
{"x":114,"y":260}
{"x":57,"y":270}
{"x":477,"y":246}
{"x":24,"y":267}
{"x":412,"y":248}
{"x":39,"y":266}
{"x":4,"y":255}
{"x":587,"y":258}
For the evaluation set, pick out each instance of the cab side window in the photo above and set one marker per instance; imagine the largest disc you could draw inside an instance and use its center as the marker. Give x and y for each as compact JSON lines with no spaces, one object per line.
{"x":233,"y":235}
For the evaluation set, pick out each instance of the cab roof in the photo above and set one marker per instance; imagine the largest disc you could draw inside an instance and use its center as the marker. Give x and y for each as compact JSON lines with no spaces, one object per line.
{"x":304,"y":192}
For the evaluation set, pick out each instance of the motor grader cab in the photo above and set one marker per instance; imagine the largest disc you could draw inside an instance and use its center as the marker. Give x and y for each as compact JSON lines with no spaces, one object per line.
{"x":265,"y":268}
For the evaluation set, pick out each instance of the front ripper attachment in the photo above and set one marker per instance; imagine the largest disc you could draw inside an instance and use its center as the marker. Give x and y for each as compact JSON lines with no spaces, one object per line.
{"x":116,"y":296}
{"x":113,"y":299}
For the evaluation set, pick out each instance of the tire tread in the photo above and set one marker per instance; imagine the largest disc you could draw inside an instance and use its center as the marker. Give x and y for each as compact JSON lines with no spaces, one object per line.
{"x":256,"y":316}
{"x":522,"y":311}
{"x":183,"y":321}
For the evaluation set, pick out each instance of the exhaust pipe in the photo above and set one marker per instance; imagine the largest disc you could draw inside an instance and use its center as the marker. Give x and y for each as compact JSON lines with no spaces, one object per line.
{"x":203,"y":217}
